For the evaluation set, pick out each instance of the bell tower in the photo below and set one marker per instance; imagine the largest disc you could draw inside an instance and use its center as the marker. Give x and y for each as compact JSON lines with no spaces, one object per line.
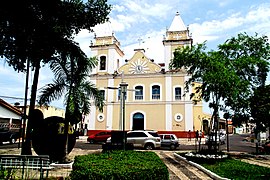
{"x":176,"y":36}
{"x":107,"y":50}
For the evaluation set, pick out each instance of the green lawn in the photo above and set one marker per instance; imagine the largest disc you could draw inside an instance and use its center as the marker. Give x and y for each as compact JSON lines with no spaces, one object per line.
{"x":234,"y":169}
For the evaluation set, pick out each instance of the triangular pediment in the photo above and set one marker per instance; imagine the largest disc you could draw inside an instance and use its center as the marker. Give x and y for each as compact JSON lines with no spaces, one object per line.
{"x":139,"y":64}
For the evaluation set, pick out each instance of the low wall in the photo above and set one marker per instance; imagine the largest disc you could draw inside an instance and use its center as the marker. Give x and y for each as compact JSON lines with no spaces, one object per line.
{"x":179,"y":134}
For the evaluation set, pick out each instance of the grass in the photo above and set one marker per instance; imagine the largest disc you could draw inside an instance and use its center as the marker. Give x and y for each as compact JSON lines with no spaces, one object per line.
{"x":234,"y":168}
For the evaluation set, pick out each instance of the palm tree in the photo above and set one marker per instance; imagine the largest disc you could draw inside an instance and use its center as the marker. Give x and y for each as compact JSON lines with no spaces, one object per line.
{"x":71,"y":79}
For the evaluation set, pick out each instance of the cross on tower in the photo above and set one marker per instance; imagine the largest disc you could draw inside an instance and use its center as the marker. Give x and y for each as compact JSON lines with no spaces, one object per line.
{"x":140,"y":41}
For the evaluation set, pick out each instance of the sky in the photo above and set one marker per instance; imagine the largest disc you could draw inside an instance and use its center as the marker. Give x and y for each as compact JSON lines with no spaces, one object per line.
{"x":142,"y":24}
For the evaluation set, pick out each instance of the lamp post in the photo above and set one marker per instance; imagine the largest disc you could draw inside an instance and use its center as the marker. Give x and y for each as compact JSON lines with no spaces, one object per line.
{"x":226,"y":116}
{"x":123,"y":89}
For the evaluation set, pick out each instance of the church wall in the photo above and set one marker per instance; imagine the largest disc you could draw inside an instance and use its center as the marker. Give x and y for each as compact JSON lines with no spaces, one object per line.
{"x":154,"y":115}
{"x":198,"y":117}
{"x":178,"y":124}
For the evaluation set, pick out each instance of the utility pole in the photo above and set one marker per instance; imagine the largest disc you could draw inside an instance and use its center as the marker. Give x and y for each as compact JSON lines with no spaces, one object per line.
{"x":227,"y":116}
{"x":123,"y":89}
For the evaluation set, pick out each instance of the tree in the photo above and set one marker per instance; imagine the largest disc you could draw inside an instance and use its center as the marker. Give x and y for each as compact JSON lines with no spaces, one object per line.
{"x":72,"y":81}
{"x":227,"y":75}
{"x":37,"y":31}
{"x":260,"y":107}
{"x":249,"y":57}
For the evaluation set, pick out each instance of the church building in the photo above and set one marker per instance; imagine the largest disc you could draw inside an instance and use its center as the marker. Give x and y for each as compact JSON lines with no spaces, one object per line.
{"x":153,"y":97}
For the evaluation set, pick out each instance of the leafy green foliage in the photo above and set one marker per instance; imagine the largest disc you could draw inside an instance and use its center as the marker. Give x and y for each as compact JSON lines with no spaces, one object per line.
{"x":227,"y":75}
{"x":119,"y":165}
{"x":36,"y":30}
{"x":260,"y":107}
{"x":72,"y":80}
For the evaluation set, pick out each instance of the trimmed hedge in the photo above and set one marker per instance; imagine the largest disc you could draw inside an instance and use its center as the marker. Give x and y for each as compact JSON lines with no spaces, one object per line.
{"x":119,"y":165}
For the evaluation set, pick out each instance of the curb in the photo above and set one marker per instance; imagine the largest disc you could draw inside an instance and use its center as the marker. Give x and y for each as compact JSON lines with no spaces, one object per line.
{"x":206,"y":171}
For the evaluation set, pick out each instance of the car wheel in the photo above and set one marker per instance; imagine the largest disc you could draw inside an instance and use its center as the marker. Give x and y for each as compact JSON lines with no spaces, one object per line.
{"x":12,"y":140}
{"x":149,"y":146}
{"x":172,"y":147}
{"x":91,"y":141}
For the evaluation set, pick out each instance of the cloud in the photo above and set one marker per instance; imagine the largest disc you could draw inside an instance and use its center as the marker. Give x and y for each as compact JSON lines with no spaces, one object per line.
{"x":257,"y":19}
{"x":151,"y":43}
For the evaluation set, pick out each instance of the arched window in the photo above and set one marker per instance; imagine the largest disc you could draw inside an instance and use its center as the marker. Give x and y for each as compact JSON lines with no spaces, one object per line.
{"x":177,"y":93}
{"x":102,"y":64}
{"x":155,"y":92}
{"x":138,"y":93}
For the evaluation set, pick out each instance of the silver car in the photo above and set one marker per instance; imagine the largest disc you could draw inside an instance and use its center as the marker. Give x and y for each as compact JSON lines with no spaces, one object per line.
{"x":142,"y":139}
{"x":169,"y":140}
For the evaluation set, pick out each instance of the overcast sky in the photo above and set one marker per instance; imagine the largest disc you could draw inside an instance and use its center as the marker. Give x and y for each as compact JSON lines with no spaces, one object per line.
{"x":213,"y":21}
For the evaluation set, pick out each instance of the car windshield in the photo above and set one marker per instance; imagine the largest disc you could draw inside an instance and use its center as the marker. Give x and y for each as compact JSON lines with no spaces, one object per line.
{"x":154,"y":134}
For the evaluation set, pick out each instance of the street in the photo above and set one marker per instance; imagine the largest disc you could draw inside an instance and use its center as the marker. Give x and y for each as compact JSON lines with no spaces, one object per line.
{"x":235,"y":141}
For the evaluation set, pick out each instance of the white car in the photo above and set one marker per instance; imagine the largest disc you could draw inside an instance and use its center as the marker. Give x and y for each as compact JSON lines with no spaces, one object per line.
{"x":142,"y":139}
{"x":221,"y":138}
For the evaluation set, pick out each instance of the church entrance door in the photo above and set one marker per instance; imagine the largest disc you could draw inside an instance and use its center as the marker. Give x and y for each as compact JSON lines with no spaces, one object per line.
{"x":138,"y":121}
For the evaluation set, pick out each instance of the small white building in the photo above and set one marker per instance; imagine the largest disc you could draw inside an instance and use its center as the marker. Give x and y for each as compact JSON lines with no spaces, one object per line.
{"x":10,"y":116}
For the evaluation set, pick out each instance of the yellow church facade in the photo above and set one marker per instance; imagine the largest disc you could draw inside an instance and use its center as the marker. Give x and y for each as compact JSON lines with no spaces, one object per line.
{"x":154,"y":96}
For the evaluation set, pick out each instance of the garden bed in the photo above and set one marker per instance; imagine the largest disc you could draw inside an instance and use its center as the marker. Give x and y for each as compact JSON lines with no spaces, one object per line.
{"x":227,"y":166}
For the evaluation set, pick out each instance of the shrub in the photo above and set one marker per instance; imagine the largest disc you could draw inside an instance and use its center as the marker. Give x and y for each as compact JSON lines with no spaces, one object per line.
{"x":119,"y":165}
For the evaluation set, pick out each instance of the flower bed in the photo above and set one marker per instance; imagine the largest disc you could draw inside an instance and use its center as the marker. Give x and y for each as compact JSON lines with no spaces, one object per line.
{"x":203,"y":156}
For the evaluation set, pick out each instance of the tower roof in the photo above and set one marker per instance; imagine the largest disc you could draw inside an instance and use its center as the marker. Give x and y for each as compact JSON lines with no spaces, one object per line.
{"x":177,"y":23}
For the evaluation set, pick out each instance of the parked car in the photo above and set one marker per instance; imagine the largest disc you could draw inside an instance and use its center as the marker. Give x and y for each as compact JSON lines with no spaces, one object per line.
{"x":221,"y":138}
{"x":7,"y":135}
{"x":169,"y":140}
{"x":146,"y":139}
{"x":99,"y":137}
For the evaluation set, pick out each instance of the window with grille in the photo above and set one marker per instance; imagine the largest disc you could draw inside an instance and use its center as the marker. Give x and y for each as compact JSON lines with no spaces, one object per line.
{"x":178,"y":93}
{"x":155,"y":92}
{"x":138,"y":93}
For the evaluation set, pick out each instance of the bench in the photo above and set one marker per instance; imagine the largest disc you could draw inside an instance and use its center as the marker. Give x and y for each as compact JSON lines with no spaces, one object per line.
{"x":26,"y":163}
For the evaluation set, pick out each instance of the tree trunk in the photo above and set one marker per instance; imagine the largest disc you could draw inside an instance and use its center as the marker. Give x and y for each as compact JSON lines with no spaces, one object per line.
{"x":26,"y":147}
{"x":66,"y":127}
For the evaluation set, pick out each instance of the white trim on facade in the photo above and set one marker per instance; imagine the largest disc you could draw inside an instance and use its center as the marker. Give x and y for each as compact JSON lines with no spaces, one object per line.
{"x":94,"y":54}
{"x":187,"y":96}
{"x":168,"y":106}
{"x":109,"y":116}
{"x":110,"y":93}
{"x":92,"y":117}
{"x":111,"y":58}
{"x":167,"y":55}
{"x":189,"y":117}
{"x":168,"y":84}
